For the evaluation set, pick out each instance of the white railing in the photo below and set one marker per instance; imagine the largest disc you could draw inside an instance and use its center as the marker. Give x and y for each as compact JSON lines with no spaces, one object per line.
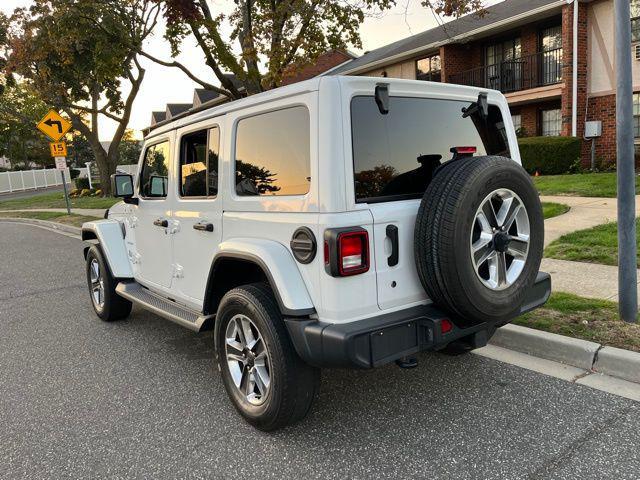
{"x":31,"y":179}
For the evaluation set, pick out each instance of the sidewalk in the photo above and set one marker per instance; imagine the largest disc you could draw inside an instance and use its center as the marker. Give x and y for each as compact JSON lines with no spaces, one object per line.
{"x":585,"y":279}
{"x":586,"y":212}
{"x":91,"y":212}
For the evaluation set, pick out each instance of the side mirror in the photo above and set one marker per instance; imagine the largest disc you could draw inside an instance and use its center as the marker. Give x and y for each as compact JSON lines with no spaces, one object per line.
{"x":122,"y":185}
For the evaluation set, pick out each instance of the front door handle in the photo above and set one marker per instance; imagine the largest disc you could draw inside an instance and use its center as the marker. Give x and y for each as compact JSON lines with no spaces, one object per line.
{"x":203,"y":227}
{"x":161,"y":223}
{"x":392,"y":234}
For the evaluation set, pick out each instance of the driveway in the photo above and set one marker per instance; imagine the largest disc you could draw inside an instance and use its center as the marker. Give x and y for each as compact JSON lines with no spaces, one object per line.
{"x":141,"y":398}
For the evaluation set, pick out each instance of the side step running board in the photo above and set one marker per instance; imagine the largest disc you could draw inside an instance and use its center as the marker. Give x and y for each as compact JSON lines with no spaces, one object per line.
{"x":184,"y":316}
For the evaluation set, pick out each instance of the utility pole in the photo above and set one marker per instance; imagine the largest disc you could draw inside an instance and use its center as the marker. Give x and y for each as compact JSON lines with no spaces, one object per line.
{"x":627,"y":270}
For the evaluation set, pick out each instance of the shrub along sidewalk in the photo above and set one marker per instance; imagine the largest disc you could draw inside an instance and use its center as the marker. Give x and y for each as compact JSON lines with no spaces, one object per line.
{"x":585,"y":318}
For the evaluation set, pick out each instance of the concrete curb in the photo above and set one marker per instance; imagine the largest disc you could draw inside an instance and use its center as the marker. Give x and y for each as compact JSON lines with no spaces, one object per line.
{"x":571,"y":351}
{"x":45,"y":224}
{"x":616,"y":362}
{"x":619,"y":363}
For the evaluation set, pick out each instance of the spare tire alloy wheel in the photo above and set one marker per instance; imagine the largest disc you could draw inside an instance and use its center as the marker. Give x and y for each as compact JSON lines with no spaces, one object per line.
{"x":248,"y":359}
{"x":478,"y":239}
{"x":500,"y":239}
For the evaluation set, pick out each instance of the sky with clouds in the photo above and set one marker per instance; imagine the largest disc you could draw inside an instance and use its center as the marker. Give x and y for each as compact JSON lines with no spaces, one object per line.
{"x":169,"y":85}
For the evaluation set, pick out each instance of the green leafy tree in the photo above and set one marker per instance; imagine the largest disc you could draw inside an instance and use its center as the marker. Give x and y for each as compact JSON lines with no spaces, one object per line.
{"x":80,"y":151}
{"x":81,"y":57}
{"x":130,"y":149}
{"x":20,"y":110}
{"x":250,"y":49}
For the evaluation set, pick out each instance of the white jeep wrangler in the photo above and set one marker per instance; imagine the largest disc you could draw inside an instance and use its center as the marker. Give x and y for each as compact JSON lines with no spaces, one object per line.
{"x":337,"y":222}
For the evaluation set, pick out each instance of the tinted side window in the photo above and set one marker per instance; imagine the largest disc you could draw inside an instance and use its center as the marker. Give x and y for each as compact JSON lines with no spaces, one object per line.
{"x":395,"y":155}
{"x":155,"y":171}
{"x":272,"y":153}
{"x":199,"y":163}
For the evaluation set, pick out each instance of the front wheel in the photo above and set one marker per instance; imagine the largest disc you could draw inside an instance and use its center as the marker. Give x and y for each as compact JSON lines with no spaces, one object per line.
{"x":267,"y":382}
{"x":107,"y":304}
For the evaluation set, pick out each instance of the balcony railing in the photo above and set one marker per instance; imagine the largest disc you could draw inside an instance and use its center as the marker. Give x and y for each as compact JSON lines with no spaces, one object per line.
{"x":530,"y":71}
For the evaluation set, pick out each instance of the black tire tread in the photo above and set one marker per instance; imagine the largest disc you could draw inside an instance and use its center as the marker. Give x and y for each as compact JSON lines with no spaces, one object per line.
{"x":115,"y":306}
{"x":301,"y":381}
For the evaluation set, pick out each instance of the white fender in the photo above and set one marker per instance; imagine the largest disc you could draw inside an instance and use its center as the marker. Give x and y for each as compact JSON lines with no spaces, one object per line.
{"x":109,"y":235}
{"x":279,"y":266}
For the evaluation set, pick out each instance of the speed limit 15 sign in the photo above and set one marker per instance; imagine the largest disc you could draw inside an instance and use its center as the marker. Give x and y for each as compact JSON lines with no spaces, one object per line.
{"x":58,"y":149}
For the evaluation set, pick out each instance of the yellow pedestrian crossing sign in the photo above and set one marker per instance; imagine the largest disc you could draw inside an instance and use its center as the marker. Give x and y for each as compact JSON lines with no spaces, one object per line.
{"x":54,"y":126}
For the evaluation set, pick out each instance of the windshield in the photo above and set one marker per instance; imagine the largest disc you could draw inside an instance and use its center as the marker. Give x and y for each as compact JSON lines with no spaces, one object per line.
{"x":395,"y":155}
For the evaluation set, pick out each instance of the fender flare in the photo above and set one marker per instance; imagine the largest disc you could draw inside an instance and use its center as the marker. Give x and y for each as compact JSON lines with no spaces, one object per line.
{"x":109,"y":235}
{"x":279,"y":267}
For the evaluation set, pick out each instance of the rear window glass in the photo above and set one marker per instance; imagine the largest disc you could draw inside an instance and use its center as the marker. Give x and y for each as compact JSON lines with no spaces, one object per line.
{"x":394,"y":155}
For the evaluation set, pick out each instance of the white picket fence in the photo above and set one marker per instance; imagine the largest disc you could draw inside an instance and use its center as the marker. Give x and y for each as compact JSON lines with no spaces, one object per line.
{"x":31,"y":179}
{"x":50,"y":177}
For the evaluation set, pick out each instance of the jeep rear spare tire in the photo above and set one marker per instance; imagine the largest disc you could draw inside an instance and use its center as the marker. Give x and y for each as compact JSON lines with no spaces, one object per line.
{"x":479,"y":238}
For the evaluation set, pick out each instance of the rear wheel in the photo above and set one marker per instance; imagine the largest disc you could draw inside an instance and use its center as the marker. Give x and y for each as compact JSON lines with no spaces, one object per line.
{"x":267,"y":382}
{"x":107,"y":304}
{"x":478,"y":239}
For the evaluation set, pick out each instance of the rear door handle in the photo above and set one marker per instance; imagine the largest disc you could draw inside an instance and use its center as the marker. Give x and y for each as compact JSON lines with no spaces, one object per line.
{"x":161,"y":223}
{"x":203,"y":227}
{"x":392,"y":234}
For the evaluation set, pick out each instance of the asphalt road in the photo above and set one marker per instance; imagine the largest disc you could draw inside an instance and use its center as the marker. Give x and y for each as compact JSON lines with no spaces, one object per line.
{"x":141,"y":399}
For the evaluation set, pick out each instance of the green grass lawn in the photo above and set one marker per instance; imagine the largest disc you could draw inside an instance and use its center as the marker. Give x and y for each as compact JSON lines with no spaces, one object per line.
{"x":551,"y":210}
{"x":56,"y":200}
{"x":579,"y":184}
{"x":595,"y":245}
{"x":58,"y":217}
{"x":585,"y":318}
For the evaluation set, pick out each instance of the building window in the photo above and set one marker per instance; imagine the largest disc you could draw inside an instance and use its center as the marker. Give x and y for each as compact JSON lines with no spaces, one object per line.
{"x":429,"y":69}
{"x":551,"y":46}
{"x":503,"y":65}
{"x":517,"y":122}
{"x":636,"y":115}
{"x":635,"y":20}
{"x":551,"y":122}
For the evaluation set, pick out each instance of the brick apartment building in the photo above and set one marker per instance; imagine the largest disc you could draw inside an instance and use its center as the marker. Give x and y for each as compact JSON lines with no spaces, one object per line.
{"x":525,"y":48}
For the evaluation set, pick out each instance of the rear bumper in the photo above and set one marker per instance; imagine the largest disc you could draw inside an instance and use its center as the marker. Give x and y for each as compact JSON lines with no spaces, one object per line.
{"x":375,"y":341}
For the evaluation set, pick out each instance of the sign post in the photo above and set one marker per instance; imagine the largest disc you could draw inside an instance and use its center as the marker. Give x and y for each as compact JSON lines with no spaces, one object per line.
{"x":54,"y":126}
{"x":627,"y":269}
{"x":61,"y":164}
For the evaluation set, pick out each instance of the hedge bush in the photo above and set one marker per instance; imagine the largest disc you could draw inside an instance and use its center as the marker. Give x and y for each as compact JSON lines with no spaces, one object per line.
{"x":549,"y":155}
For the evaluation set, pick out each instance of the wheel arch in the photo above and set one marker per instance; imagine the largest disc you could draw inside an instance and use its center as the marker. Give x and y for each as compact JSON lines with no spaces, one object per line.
{"x":248,"y":261}
{"x":109,"y":235}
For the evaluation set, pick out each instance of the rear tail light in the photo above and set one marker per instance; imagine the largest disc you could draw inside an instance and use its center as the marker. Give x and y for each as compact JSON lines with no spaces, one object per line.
{"x":346,"y":251}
